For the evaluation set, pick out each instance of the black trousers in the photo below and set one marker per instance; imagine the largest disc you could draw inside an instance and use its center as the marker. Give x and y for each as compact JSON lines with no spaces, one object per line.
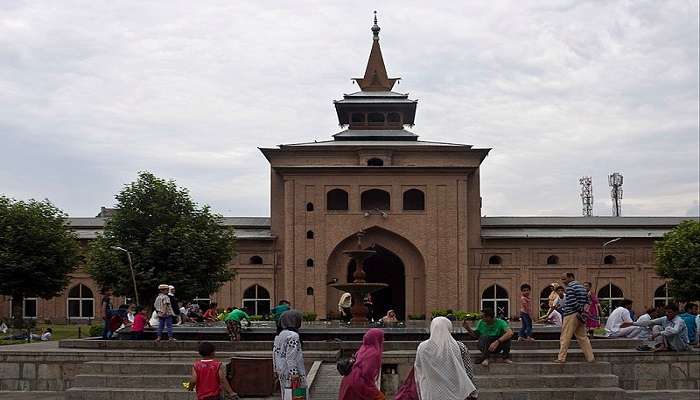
{"x":503,"y":349}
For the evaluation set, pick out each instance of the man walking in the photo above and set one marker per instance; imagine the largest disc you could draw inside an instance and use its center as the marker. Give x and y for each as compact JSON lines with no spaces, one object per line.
{"x":574,"y":323}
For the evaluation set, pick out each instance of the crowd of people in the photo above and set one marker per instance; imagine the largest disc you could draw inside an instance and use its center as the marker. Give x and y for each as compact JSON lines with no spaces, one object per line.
{"x":443,"y":367}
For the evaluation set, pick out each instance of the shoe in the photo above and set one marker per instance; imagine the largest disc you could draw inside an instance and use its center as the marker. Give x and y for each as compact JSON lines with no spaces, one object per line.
{"x":558,"y":361}
{"x":531,"y":339}
{"x":172,"y":339}
{"x":508,"y":361}
{"x":485,"y":363}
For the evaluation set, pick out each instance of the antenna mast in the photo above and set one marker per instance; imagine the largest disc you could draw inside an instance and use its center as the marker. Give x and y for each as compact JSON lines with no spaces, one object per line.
{"x":587,"y":195}
{"x":615,"y":181}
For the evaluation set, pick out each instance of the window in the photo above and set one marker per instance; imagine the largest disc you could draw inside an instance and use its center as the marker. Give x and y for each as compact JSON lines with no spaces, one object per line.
{"x":496,"y":298}
{"x":29,"y":307}
{"x":337,"y":200}
{"x":610,"y":297}
{"x":375,"y":162}
{"x":544,"y":299}
{"x":309,"y":234}
{"x":414,"y":200}
{"x":309,"y":206}
{"x":661,"y":296}
{"x":310,"y":262}
{"x":394,"y":118}
{"x":81,"y":303}
{"x":552,"y":260}
{"x":609,"y":259}
{"x":358,"y":118}
{"x":256,"y":260}
{"x":376,"y":119}
{"x":309,"y":291}
{"x":375,"y":199}
{"x":495,"y":260}
{"x":256,"y":300}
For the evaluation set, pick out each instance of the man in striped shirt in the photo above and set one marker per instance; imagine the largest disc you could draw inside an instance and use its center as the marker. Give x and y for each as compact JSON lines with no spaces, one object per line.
{"x":574,"y":302}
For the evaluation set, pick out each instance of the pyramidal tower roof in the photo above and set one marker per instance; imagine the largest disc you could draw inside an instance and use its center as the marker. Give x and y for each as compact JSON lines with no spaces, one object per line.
{"x":376,"y":78}
{"x":376,"y":112}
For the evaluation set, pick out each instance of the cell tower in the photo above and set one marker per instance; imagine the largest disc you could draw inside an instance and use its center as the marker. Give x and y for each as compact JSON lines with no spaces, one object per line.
{"x":615,"y":182}
{"x":587,"y":195}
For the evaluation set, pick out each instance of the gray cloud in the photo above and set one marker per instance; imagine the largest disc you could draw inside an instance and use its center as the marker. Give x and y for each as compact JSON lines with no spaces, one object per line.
{"x":92,"y":92}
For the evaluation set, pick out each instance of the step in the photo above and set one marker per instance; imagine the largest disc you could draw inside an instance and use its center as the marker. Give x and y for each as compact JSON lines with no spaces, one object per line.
{"x":552,"y":393}
{"x":136,"y":394}
{"x":546,"y":381}
{"x":141,"y":368}
{"x":543,"y":368}
{"x":682,"y":394}
{"x":97,"y":393}
{"x":135,"y":381}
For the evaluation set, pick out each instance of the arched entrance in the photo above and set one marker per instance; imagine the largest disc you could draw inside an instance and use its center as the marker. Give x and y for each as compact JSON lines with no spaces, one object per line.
{"x":385,"y":267}
{"x":398,"y":263}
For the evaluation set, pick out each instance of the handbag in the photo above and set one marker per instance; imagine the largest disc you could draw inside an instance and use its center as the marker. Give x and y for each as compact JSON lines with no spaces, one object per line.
{"x":344,"y":365}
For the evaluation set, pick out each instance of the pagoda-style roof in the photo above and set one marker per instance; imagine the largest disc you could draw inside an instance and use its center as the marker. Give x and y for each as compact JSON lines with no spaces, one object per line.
{"x":375,"y":108}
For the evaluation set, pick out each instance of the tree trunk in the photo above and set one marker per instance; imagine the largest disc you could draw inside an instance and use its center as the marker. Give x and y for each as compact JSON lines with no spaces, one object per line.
{"x":17,"y":317}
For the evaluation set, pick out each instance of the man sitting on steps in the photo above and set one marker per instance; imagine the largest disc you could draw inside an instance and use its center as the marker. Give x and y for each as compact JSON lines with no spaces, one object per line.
{"x":494,"y":336}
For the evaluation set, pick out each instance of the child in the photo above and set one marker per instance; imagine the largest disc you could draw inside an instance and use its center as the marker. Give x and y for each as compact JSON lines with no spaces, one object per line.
{"x":140,"y":322}
{"x":525,"y":313}
{"x":209,"y":376}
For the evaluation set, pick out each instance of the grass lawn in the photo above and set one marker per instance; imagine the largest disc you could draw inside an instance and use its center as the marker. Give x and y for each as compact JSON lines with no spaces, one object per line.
{"x":59,"y":332}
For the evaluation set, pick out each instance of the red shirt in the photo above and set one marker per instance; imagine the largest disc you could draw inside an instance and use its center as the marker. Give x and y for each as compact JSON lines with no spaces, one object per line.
{"x":208,"y":384}
{"x":209,"y":314}
{"x":139,"y":323}
{"x":525,"y":305}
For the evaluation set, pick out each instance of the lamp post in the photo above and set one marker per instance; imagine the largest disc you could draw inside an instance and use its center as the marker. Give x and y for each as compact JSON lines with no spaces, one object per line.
{"x":131,"y":267}
{"x":602,"y":258}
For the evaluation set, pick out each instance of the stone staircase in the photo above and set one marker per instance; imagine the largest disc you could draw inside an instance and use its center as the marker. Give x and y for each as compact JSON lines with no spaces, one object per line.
{"x":118,"y":380}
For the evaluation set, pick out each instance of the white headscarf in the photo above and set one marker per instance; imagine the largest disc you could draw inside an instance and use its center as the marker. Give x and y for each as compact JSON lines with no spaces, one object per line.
{"x":440,"y":372}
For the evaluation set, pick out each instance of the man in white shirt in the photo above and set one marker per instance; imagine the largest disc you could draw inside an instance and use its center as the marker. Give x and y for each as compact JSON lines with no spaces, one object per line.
{"x":620,"y":316}
{"x":674,"y":331}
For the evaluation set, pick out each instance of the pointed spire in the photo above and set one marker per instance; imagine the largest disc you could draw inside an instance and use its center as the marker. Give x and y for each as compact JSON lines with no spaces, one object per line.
{"x":376,"y":78}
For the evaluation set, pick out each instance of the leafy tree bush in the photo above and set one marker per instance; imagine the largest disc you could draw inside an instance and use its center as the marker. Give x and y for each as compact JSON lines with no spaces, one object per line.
{"x":678,"y":259}
{"x":171,"y":239}
{"x":37,"y":251}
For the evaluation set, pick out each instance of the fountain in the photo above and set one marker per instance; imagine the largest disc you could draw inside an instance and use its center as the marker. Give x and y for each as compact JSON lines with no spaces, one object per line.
{"x":359,"y":288}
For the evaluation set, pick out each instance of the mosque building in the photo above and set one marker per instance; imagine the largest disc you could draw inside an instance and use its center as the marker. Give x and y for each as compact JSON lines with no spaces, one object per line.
{"x":418,"y":204}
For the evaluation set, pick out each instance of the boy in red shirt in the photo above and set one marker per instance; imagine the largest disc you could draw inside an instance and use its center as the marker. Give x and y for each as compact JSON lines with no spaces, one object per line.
{"x":525,"y":313}
{"x":140,"y":322}
{"x":209,"y":376}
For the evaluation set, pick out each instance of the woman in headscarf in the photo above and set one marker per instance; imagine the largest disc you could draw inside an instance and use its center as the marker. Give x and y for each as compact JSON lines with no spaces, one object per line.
{"x":443,"y":367}
{"x":287,"y":356}
{"x":361,"y":383}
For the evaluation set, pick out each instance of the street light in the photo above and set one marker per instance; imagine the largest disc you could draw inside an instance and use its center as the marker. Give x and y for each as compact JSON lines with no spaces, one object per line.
{"x":131,"y":267}
{"x":602,"y":259}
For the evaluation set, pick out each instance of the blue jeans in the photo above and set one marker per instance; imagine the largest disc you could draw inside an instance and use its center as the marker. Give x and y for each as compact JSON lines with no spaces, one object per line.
{"x":167,"y":322}
{"x":526,"y":328}
{"x":106,"y":333}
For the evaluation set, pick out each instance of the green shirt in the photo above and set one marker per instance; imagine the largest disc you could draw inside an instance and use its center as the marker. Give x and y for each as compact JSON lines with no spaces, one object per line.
{"x":237,"y":315}
{"x":277,"y":311}
{"x":497,"y":328}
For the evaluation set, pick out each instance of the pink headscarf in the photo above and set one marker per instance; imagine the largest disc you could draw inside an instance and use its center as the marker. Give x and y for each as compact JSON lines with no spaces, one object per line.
{"x":360,"y":384}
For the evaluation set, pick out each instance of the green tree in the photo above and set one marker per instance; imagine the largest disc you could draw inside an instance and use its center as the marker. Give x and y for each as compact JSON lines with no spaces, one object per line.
{"x":171,"y":240}
{"x":37,"y":251}
{"x":678,"y":259}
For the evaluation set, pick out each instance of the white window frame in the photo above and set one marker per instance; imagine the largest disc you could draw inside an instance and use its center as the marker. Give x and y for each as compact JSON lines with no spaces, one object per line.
{"x":80,"y":303}
{"x":667,"y":300}
{"x":257,"y":298}
{"x":24,"y":307}
{"x":493,"y":302}
{"x":609,"y":300}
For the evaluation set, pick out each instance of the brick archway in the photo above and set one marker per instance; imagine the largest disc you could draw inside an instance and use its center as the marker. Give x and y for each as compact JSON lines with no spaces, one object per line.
{"x":409,"y":255}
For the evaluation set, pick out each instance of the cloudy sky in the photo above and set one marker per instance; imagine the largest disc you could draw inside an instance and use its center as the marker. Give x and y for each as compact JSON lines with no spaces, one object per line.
{"x":93,"y":91}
